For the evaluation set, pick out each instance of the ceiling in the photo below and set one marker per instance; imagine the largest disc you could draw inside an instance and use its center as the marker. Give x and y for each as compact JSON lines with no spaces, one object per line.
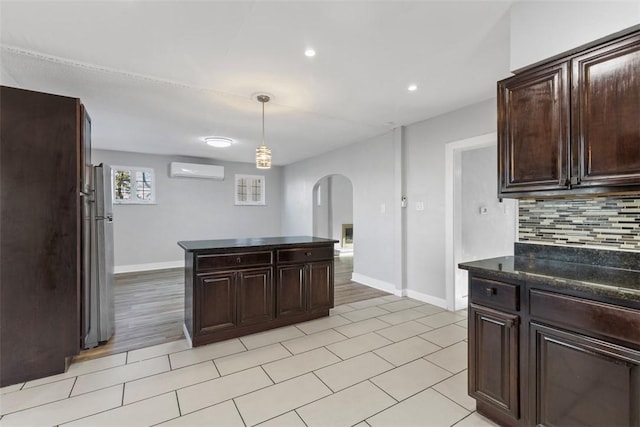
{"x":158,"y":76}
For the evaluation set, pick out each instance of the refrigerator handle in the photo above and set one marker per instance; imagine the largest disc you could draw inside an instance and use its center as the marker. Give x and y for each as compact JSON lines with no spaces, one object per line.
{"x":88,"y":194}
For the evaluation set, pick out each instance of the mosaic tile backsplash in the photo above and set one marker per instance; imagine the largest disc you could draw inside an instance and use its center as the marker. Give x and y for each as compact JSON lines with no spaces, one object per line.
{"x":601,"y":222}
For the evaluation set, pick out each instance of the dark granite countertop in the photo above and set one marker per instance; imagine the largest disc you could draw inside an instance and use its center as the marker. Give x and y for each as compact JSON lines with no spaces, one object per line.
{"x":603,"y":280}
{"x":258,"y":242}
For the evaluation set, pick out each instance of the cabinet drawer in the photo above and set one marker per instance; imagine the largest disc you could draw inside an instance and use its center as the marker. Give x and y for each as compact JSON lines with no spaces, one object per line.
{"x":240,"y":259}
{"x":305,"y":254}
{"x":586,"y":315}
{"x":495,"y":294}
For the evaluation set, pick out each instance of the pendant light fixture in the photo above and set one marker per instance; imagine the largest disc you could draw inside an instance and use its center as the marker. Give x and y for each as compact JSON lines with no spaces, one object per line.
{"x":263,"y":154}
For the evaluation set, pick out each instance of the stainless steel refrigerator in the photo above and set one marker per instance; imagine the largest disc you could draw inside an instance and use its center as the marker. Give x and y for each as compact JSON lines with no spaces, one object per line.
{"x":99,"y":317}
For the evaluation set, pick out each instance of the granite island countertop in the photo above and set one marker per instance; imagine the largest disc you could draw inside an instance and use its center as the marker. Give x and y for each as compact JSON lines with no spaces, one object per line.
{"x":254,"y":242}
{"x":566,"y":272}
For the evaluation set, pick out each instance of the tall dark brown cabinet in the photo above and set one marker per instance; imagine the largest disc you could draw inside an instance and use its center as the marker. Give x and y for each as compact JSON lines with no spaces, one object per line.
{"x":43,"y":156}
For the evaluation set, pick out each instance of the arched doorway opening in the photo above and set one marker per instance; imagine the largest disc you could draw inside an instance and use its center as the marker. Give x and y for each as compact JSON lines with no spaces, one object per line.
{"x":333,"y":219}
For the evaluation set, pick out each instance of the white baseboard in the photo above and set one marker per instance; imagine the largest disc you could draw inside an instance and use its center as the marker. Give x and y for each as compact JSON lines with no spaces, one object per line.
{"x":375,"y":283}
{"x":132,"y":268}
{"x":438,"y":302}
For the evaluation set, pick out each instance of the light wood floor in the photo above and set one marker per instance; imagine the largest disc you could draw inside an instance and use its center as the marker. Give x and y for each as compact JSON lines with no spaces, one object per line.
{"x":149,"y":307}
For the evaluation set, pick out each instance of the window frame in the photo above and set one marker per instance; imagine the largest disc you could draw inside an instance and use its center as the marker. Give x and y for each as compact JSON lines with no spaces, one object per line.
{"x":263,"y":186}
{"x":134,"y":186}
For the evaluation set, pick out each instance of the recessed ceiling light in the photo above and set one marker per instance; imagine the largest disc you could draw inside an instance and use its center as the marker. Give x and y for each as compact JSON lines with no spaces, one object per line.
{"x":412,"y":88}
{"x":218,"y":141}
{"x":310,"y":53}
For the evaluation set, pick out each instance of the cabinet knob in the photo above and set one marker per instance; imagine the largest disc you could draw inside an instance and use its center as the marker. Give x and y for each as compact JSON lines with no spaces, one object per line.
{"x":238,"y":260}
{"x":490,"y":291}
{"x":308,"y":253}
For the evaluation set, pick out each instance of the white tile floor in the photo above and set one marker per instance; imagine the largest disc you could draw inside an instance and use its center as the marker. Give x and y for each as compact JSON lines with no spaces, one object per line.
{"x":387,"y":361}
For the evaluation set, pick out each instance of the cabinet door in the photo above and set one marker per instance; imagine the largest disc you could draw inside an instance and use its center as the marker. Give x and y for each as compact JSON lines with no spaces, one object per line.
{"x":291,"y":291}
{"x":320,"y":285}
{"x":583,"y":381}
{"x":493,"y":358}
{"x":255,"y":296}
{"x":606,"y":114}
{"x":533,"y":131}
{"x":216,"y":302}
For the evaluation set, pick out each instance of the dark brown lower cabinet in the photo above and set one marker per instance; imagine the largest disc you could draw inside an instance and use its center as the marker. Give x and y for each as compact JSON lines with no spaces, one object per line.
{"x":216,"y":309}
{"x":305,"y":288}
{"x":228,"y":299}
{"x":233,"y":290}
{"x":255,"y":296}
{"x":539,"y":357}
{"x":583,"y":381}
{"x":320,"y":285}
{"x":291,"y":290}
{"x":493,"y":358}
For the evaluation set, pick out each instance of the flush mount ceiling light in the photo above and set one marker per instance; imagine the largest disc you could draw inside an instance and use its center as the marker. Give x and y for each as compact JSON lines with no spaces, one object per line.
{"x":310,"y":53}
{"x":263,"y":154}
{"x":412,"y":88}
{"x":218,"y":141}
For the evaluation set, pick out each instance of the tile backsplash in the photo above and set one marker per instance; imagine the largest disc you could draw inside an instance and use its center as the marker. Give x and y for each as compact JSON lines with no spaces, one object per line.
{"x":599,"y":222}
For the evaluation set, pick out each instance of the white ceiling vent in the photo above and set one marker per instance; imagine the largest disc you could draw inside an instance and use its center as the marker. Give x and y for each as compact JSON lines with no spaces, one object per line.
{"x":194,"y":170}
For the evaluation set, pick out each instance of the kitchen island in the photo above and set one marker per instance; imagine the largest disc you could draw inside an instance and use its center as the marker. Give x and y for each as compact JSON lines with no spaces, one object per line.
{"x":554,"y":336}
{"x":235,"y":287}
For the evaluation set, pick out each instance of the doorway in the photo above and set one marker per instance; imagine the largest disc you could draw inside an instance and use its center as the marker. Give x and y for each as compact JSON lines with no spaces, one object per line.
{"x":333,"y":212}
{"x":478,"y":225}
{"x":333,"y":219}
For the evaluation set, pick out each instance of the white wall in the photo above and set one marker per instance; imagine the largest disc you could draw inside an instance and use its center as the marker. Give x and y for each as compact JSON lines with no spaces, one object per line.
{"x":369,"y":165}
{"x":6,"y":79}
{"x":425,"y":182}
{"x":541,"y":29}
{"x":321,"y":208}
{"x":187,"y":209}
{"x":490,"y":234}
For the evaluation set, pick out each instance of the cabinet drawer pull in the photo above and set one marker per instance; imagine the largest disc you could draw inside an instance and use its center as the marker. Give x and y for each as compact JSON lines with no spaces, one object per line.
{"x":308,"y":253}
{"x":238,"y":260}
{"x":491,"y":291}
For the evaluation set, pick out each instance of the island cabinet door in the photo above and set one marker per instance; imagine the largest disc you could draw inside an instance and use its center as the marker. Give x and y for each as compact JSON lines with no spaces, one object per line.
{"x":216,"y":296}
{"x":583,"y":381}
{"x":320,"y":285}
{"x":493,"y":358}
{"x":255,"y":296}
{"x":291,"y":291}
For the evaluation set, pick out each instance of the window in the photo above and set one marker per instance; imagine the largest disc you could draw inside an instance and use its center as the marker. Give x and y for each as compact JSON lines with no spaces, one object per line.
{"x":133,"y":185}
{"x":250,"y":190}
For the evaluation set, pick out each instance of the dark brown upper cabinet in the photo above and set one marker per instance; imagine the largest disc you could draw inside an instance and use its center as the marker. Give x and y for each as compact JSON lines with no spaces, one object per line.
{"x":533,"y":117}
{"x":606,"y":114}
{"x":571,"y":125}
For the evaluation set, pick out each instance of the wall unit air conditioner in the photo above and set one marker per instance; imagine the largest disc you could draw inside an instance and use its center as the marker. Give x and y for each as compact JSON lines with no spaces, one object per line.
{"x":194,"y":170}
